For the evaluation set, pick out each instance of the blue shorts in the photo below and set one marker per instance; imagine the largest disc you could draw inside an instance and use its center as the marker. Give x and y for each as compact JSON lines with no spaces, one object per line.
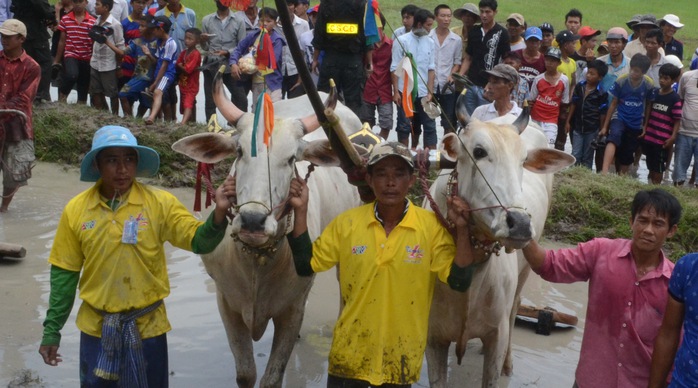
{"x":626,"y":139}
{"x":133,"y":88}
{"x":616,"y":129}
{"x":154,"y":354}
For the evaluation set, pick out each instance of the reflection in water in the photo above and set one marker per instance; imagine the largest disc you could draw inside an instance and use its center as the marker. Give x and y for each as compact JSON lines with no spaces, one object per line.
{"x":198,"y":350}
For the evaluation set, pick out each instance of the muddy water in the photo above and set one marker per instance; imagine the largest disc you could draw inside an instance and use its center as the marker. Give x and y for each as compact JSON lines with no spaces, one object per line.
{"x":198,"y":350}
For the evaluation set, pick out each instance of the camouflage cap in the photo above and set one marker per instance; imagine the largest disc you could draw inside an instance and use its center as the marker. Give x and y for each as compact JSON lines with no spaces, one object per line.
{"x":391,"y":148}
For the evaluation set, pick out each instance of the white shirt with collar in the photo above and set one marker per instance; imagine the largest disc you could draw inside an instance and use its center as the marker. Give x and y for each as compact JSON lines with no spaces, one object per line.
{"x":103,"y":58}
{"x":119,"y":10}
{"x":489,"y":112}
{"x":446,"y":56}
{"x":288,"y":67}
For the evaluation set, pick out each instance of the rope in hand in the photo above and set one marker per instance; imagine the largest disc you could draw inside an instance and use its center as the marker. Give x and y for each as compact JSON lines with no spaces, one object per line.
{"x":423,"y":169}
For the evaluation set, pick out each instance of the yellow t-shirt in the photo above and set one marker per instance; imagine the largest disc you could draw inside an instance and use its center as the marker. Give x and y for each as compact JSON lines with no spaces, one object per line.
{"x":386,"y":285}
{"x":116,"y":276}
{"x":569,"y":69}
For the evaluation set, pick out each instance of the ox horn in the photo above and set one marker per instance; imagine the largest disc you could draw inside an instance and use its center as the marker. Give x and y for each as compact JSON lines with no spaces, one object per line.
{"x":231,"y":112}
{"x":311,"y":122}
{"x":521,"y":122}
{"x":461,"y":111}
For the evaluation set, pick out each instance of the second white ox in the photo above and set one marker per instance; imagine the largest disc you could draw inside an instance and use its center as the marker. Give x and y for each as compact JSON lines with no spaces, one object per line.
{"x":254,"y":274}
{"x":504,"y":171}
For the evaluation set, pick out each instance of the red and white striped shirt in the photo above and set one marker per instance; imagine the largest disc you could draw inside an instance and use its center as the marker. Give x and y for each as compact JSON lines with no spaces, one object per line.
{"x":77,"y":40}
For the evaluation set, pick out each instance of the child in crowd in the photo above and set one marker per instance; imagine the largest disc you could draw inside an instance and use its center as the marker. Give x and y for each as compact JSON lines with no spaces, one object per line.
{"x":132,"y":30}
{"x":407,"y":13}
{"x":662,"y":122}
{"x":103,"y":80}
{"x":378,"y":92}
{"x":74,"y":52}
{"x":188,"y":67}
{"x":62,"y":8}
{"x":165,"y":55}
{"x":521,"y":93}
{"x":271,"y":81}
{"x":550,"y":93}
{"x":567,"y":41}
{"x":629,"y":93}
{"x":143,"y":71}
{"x":587,"y":112}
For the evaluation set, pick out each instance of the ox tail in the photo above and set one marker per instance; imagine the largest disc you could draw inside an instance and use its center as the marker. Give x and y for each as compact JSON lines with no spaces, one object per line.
{"x":231,"y":112}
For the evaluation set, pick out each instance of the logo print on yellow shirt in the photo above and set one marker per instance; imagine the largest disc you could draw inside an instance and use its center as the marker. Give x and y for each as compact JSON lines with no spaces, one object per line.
{"x":414,"y":254}
{"x":88,"y":225}
{"x":358,"y":250}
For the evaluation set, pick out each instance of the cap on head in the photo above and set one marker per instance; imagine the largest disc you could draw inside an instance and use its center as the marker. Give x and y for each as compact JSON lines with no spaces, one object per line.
{"x":547,"y":27}
{"x":313,"y":9}
{"x":674,"y":60}
{"x":161,"y":22}
{"x":13,"y":27}
{"x":647,"y":20}
{"x":554,"y":52}
{"x":617,"y":33}
{"x":504,"y":72}
{"x":565,"y":36}
{"x":116,"y":136}
{"x":467,"y":7}
{"x":518,"y":18}
{"x":588,"y":32}
{"x":633,"y":20}
{"x":533,"y":32}
{"x":391,"y":148}
{"x":672,"y":20}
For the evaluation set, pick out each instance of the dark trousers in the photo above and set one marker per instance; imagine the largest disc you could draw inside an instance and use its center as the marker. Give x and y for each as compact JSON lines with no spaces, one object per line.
{"x":286,"y":85}
{"x":448,"y":111}
{"x":341,"y":382}
{"x":75,"y":73}
{"x":347,"y":71}
{"x":154,"y":354}
{"x":237,"y":93}
{"x":41,"y":52}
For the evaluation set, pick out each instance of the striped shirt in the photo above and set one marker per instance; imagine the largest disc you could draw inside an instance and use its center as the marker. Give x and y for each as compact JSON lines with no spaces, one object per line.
{"x":665,"y":111}
{"x":77,"y":41}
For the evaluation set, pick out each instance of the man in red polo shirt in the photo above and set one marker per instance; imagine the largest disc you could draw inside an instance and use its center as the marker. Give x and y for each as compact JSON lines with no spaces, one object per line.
{"x":21,"y":75}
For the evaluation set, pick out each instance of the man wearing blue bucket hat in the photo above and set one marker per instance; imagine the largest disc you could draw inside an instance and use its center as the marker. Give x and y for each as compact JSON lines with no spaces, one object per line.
{"x":114,"y":233}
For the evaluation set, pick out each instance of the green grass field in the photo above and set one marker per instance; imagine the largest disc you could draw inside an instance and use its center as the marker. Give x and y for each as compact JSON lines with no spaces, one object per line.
{"x":599,"y":14}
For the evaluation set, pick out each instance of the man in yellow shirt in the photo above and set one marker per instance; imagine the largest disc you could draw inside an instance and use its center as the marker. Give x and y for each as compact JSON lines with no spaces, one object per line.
{"x":389,"y":255}
{"x":110,"y":241}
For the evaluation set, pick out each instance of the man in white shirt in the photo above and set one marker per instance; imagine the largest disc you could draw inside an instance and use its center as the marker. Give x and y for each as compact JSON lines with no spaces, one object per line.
{"x":119,"y":10}
{"x":516,"y":26}
{"x":421,"y":48}
{"x":447,"y":59}
{"x":291,"y":84}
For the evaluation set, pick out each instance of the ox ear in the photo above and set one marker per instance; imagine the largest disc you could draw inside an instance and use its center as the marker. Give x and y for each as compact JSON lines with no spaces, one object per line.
{"x":320,"y":153}
{"x":547,"y":160}
{"x":461,"y":111}
{"x":206,"y":147}
{"x":450,"y":147}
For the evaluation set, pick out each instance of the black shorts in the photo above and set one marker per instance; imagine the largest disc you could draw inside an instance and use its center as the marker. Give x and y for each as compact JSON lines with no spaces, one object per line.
{"x":625,"y":155}
{"x":656,"y":156}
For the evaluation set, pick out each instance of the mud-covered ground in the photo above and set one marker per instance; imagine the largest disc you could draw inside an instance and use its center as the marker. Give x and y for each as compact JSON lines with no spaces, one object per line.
{"x":198,"y":350}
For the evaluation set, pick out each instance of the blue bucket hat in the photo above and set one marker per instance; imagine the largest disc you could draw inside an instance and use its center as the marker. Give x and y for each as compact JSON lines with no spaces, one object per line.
{"x":116,"y":136}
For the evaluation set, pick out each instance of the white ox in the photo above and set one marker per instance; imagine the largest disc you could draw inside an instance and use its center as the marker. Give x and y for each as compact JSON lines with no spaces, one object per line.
{"x":254,"y":274}
{"x":513,"y":200}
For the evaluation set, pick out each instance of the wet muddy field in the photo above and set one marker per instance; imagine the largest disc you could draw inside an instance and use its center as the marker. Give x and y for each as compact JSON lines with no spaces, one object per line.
{"x":198,"y":350}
